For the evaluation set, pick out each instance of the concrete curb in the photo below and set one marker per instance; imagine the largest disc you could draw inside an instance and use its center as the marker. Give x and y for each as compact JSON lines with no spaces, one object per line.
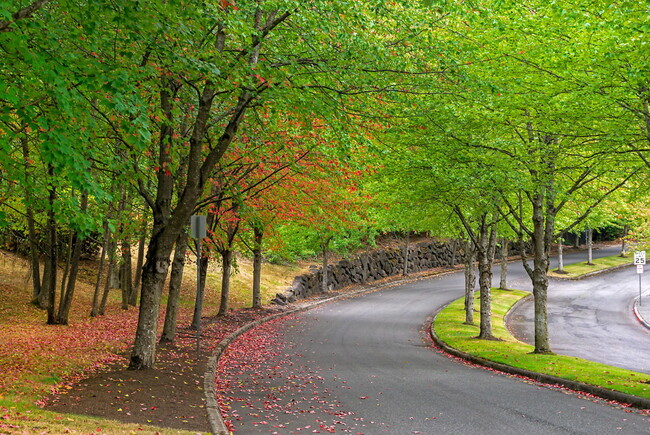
{"x":637,"y":313}
{"x":603,"y":393}
{"x":215,"y":419}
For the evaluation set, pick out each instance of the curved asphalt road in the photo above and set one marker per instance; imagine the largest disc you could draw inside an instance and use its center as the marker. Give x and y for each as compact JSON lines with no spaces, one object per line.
{"x":361,"y":366}
{"x":592,"y":319}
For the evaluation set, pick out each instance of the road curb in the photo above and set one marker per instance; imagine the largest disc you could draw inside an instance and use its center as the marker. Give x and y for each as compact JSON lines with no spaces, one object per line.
{"x":215,"y":419}
{"x":603,"y":393}
{"x":637,"y":313}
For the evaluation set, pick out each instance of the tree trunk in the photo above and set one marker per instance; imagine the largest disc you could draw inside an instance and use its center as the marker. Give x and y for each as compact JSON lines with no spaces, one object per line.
{"x":590,"y":246}
{"x":257,"y":266}
{"x":454,"y":248}
{"x":175,"y":280}
{"x":49,"y":295}
{"x":503,"y":282}
{"x":126,"y":279}
{"x":470,"y":281}
{"x":111,"y":270}
{"x":626,"y":228}
{"x":107,"y":234}
{"x":66,"y":270}
{"x":154,"y":274}
{"x":542,"y":230}
{"x":324,"y":271}
{"x":560,"y":255}
{"x":485,"y":253}
{"x":31,"y":227}
{"x":226,"y":259}
{"x":137,"y":280}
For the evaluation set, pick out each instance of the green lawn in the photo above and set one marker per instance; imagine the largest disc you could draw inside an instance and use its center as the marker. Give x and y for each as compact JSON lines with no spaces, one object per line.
{"x":577,"y":270}
{"x":449,"y":327}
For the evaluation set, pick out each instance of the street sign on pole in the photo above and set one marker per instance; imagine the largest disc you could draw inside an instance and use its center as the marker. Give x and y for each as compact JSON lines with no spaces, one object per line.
{"x":639,"y":257}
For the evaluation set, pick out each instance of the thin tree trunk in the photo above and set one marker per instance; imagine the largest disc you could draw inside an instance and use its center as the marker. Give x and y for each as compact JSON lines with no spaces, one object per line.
{"x":226,"y":259}
{"x":258,"y":235}
{"x":111,"y":270}
{"x":590,"y":246}
{"x":126,"y":280}
{"x":31,"y":228}
{"x":503,"y":282}
{"x":175,"y":280}
{"x":107,"y":234}
{"x":51,"y":260}
{"x":470,"y":281}
{"x":64,"y":308}
{"x":324,"y":271}
{"x":454,"y":248}
{"x":560,"y":255}
{"x":626,"y":228}
{"x":137,"y":280}
{"x":66,"y":270}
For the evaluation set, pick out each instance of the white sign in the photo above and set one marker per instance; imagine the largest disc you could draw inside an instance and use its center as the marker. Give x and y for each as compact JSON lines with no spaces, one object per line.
{"x":639,"y":268}
{"x":639,"y":257}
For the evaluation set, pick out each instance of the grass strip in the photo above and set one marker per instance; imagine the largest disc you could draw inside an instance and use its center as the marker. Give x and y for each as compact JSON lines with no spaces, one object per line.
{"x":449,"y":327}
{"x":577,"y":270}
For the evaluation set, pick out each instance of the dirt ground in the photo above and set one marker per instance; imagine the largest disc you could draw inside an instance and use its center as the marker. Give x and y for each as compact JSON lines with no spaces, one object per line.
{"x":169,"y":395}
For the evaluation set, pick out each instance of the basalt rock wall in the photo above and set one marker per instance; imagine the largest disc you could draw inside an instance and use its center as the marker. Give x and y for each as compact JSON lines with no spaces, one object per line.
{"x":377,"y":264}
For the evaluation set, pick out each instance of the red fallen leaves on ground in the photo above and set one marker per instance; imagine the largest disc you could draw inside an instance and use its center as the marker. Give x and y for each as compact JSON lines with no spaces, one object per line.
{"x":262,"y":381}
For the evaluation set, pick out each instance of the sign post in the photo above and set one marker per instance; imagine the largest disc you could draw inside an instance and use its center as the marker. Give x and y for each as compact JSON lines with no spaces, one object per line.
{"x":198,"y":232}
{"x":639,"y":260}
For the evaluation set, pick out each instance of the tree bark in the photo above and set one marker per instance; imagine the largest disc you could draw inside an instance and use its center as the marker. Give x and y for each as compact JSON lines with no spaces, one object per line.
{"x":470,"y":281}
{"x":34,"y":252}
{"x":64,"y":308}
{"x":49,"y":295}
{"x":137,"y":280}
{"x":109,"y":272}
{"x":324,"y":270}
{"x":503,"y":282}
{"x":590,"y":246}
{"x":258,"y":235}
{"x":226,"y":261}
{"x":126,"y":268}
{"x":542,"y":237}
{"x":107,"y":234}
{"x":560,"y":255}
{"x":626,"y":228}
{"x":175,"y":280}
{"x":485,"y":254}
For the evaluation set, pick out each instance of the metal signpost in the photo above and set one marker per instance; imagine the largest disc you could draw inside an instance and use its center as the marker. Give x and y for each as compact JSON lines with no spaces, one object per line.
{"x":639,"y":260}
{"x":198,"y":232}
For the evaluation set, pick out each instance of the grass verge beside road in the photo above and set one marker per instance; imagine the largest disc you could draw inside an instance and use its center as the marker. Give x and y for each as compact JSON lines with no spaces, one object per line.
{"x":577,"y":270}
{"x":449,"y":327}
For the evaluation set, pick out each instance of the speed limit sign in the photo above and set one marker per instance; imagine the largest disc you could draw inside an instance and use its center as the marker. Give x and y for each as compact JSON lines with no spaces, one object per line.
{"x":639,"y":257}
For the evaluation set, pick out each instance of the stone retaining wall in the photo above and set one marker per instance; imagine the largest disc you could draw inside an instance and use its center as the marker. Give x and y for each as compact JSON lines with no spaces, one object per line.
{"x":376,"y":265}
